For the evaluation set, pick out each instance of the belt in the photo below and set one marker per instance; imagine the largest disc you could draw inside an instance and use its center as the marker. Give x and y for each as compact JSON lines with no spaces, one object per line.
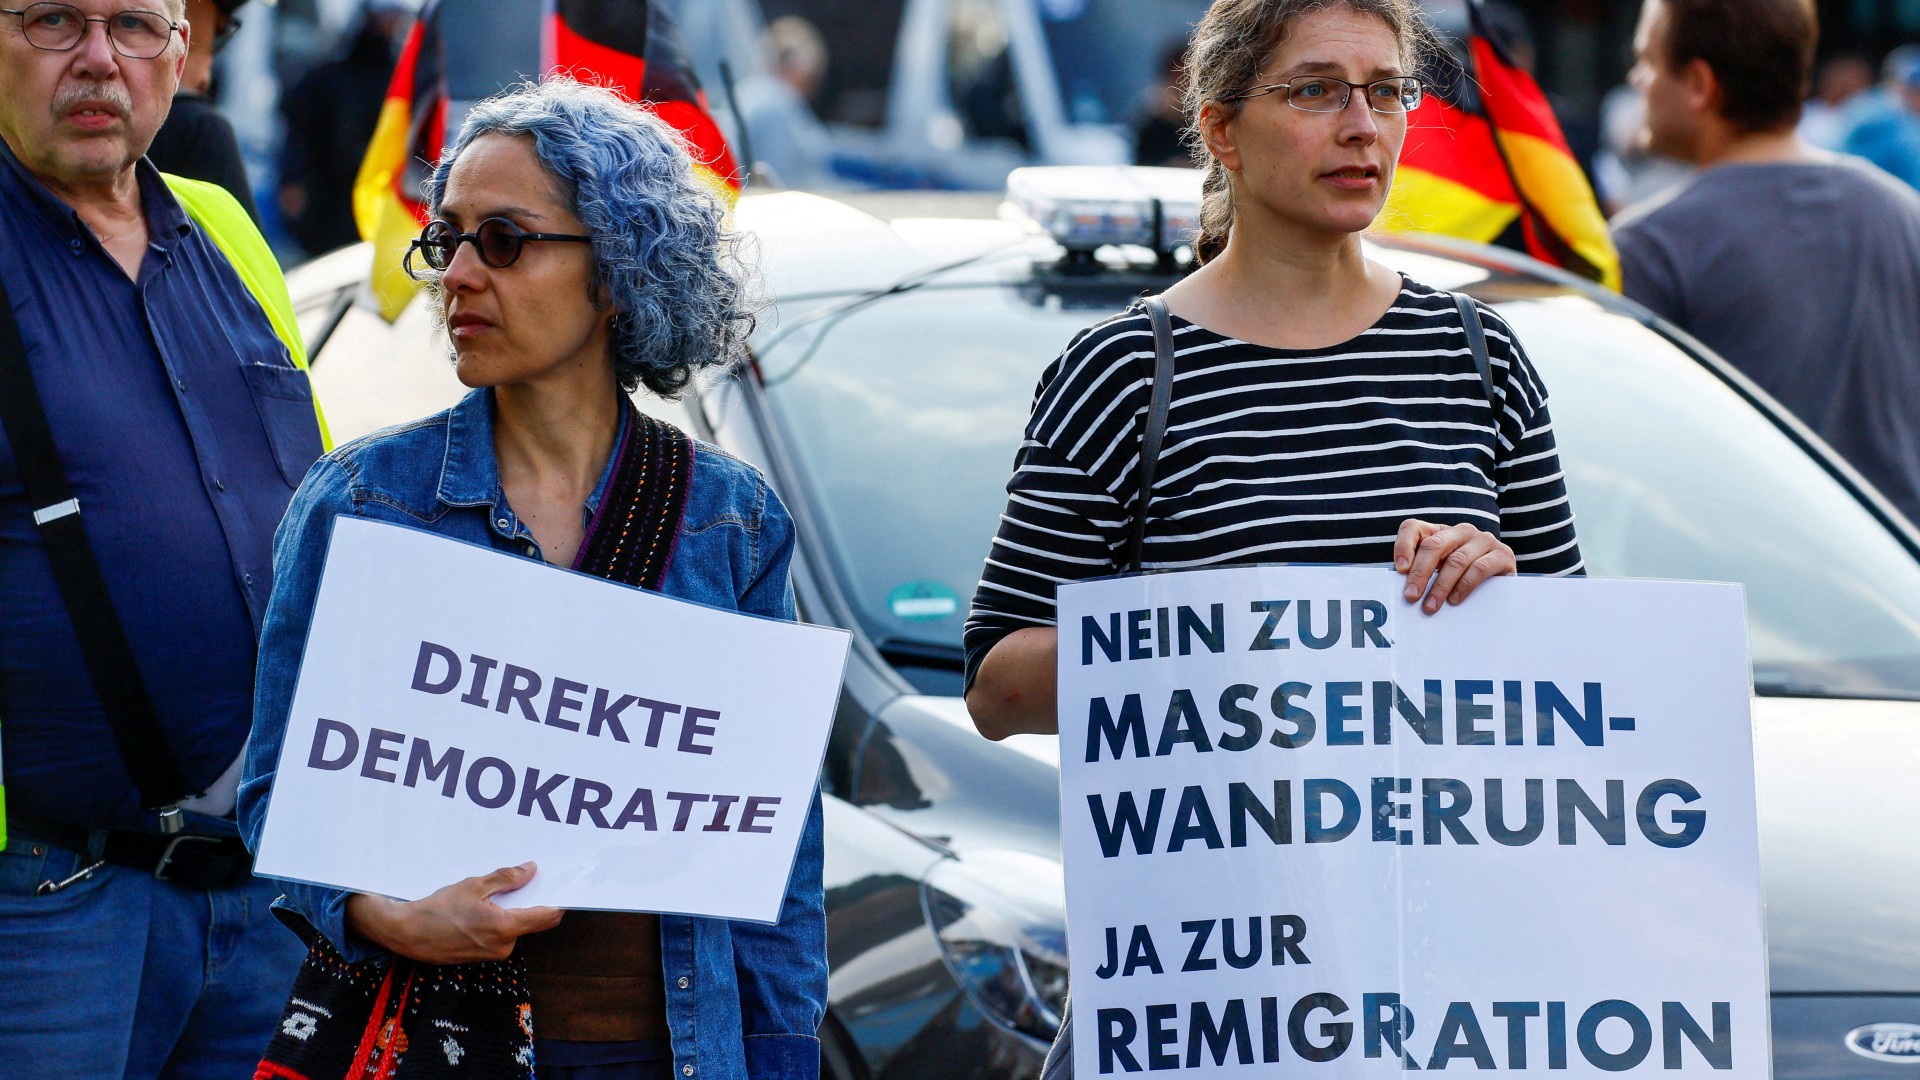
{"x":186,"y":860}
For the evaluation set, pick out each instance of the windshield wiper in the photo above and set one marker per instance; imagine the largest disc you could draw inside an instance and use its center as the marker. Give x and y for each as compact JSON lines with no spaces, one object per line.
{"x":1795,"y":688}
{"x":932,"y":654}
{"x":1789,"y":687}
{"x":833,"y":313}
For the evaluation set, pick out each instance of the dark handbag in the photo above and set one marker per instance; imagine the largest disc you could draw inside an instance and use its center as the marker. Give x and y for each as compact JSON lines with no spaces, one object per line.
{"x":401,"y":1019}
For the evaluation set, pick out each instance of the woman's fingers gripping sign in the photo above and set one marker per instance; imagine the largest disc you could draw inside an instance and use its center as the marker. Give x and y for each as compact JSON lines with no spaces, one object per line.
{"x":1445,"y":563}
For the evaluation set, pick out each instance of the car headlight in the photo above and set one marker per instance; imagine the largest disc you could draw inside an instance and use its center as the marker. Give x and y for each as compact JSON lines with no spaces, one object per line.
{"x":1001,"y":920}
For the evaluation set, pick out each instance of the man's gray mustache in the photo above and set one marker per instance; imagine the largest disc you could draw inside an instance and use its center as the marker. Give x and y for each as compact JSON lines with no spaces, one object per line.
{"x":108,"y":95}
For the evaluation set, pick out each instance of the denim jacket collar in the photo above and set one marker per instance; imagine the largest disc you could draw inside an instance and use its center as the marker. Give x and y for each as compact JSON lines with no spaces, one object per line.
{"x":470,"y":471}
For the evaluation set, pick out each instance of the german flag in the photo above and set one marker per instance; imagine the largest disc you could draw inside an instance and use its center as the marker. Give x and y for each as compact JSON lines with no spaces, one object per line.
{"x":632,"y":47}
{"x":1489,"y":163}
{"x":406,"y":142}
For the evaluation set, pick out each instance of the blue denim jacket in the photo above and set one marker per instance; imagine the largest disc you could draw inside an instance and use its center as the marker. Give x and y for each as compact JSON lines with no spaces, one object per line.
{"x":743,"y":999}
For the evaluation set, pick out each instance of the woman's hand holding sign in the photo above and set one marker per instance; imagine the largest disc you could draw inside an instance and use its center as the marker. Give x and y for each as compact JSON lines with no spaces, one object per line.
{"x":457,"y":924}
{"x":1447,"y":562}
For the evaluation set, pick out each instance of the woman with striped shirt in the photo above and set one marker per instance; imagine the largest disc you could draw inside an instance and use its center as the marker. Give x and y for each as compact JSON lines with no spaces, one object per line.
{"x":1325,"y":408}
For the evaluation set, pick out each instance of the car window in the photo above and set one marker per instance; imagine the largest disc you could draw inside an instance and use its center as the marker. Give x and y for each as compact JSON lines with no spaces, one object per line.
{"x":905,"y":453}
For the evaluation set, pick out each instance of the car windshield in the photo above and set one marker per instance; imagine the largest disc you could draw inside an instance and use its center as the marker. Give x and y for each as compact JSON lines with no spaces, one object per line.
{"x":906,"y":452}
{"x":1104,"y":51}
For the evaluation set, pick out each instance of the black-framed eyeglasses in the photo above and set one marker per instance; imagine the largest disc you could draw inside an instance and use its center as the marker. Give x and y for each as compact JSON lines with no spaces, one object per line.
{"x":496,"y":239}
{"x":135,"y":34}
{"x":1324,"y":94}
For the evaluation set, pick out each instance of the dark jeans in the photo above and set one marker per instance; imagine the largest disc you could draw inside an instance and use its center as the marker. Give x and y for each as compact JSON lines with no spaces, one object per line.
{"x":556,"y":1059}
{"x":124,"y":975}
{"x":638,"y":1070}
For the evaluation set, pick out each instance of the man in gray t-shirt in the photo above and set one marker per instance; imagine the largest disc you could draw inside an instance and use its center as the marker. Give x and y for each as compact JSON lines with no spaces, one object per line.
{"x":1800,"y":267}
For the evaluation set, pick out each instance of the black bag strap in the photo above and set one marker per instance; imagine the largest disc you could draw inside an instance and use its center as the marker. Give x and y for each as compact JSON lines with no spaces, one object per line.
{"x":631,"y":537}
{"x":1156,"y":431}
{"x":1162,"y":399}
{"x":1477,"y":341}
{"x":103,"y":642}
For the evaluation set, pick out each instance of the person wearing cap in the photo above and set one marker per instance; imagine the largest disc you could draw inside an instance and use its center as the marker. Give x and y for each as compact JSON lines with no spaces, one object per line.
{"x":144,"y":316}
{"x":197,"y":142}
{"x":1799,"y":266}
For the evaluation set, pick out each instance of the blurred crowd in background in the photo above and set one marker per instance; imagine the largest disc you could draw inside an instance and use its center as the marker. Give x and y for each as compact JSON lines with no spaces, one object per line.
{"x":833,"y":94}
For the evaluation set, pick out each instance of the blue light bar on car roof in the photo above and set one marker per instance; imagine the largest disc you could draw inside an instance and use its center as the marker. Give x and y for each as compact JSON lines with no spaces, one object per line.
{"x":1083,"y":207}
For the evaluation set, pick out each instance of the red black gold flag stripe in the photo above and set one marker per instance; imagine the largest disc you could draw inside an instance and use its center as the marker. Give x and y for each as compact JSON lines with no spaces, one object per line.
{"x":1495,"y":167}
{"x":406,"y":142}
{"x":633,"y":47}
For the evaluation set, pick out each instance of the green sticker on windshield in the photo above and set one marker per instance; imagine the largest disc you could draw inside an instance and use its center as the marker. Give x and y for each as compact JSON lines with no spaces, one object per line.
{"x":917,"y":601}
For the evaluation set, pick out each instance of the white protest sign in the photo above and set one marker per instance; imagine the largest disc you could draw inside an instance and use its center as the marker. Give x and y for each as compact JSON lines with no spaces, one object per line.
{"x":1311,"y":831}
{"x":460,"y":709}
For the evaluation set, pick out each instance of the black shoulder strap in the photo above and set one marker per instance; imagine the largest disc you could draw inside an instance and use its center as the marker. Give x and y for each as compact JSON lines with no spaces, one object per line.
{"x":1156,"y":429}
{"x":1477,"y":341}
{"x":631,"y":538}
{"x":123,"y":695}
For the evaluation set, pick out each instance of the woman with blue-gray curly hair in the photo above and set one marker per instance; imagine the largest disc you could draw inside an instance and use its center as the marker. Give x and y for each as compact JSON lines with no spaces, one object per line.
{"x":664,"y":264}
{"x":574,"y":254}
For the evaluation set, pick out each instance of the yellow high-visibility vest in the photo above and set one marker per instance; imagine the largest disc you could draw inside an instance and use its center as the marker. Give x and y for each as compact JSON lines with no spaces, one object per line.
{"x":226,"y":223}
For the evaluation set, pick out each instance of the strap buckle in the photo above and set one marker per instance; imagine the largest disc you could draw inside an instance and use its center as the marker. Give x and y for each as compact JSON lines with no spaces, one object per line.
{"x":46,"y":514}
{"x":166,"y":855}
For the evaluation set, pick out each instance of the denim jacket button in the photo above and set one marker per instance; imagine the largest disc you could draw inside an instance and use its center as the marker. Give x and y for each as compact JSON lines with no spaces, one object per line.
{"x":686,"y":1070}
{"x":500,"y":522}
{"x":683,"y":982}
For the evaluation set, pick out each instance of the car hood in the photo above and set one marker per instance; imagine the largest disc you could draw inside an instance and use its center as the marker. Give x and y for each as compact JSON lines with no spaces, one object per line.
{"x":924,"y":768}
{"x":1839,"y":791}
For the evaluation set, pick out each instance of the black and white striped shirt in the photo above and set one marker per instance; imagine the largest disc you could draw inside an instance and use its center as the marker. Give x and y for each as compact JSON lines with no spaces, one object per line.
{"x":1274,"y":455}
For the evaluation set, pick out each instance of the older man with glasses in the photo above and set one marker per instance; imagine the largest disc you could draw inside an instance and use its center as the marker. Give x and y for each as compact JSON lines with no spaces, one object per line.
{"x":154,"y":420}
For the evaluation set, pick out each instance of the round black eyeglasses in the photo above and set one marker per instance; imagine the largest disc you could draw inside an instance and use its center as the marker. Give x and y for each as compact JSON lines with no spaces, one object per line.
{"x":135,"y":34}
{"x":497,"y":240}
{"x":1322,"y":93}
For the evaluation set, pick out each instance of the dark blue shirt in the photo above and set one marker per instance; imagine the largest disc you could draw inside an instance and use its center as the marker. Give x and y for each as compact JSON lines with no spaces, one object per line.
{"x":184,"y":428}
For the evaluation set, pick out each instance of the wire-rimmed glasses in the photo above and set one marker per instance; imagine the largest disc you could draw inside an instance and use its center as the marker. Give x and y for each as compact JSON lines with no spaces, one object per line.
{"x":497,"y":240}
{"x":135,"y":34}
{"x":1325,"y":94}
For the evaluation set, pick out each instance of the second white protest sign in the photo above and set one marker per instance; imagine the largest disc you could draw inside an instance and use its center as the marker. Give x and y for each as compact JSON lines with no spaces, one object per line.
{"x":1306,"y":824}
